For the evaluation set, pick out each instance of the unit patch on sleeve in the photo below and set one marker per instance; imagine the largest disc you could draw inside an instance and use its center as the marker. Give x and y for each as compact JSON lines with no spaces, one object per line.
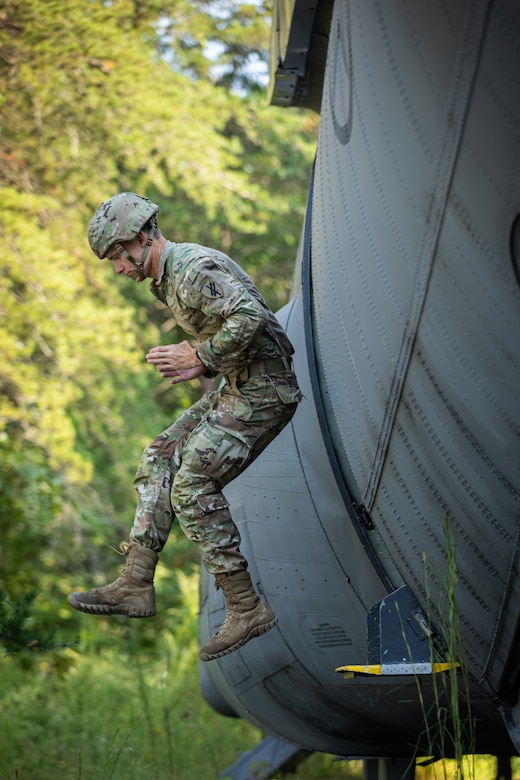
{"x":210,"y":288}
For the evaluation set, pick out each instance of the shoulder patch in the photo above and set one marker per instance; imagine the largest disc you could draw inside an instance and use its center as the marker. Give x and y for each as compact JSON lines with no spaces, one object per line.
{"x":210,"y":288}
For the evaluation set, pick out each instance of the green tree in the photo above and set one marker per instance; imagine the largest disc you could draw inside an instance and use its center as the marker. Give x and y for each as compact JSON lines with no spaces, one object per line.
{"x":223,"y":42}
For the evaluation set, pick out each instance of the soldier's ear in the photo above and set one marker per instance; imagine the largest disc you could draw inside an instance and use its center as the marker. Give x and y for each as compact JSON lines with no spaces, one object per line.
{"x":142,"y":238}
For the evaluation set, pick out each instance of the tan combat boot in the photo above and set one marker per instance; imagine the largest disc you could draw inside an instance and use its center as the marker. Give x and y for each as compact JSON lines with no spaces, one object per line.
{"x":247,"y":616}
{"x":131,"y":594}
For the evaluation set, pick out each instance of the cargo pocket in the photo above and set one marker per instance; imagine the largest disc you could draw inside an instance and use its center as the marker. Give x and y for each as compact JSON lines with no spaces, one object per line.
{"x":231,"y":406}
{"x":288,"y":394}
{"x":221,"y":452}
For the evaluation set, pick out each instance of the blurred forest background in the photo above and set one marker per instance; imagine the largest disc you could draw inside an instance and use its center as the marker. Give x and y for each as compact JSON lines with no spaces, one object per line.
{"x":164,"y":98}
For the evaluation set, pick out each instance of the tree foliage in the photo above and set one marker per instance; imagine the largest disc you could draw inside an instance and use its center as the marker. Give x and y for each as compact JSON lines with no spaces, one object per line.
{"x":98,"y":97}
{"x":218,"y":41}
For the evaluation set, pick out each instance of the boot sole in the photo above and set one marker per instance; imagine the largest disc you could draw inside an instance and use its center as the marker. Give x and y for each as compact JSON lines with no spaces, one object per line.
{"x":256,"y":631}
{"x":107,"y":609}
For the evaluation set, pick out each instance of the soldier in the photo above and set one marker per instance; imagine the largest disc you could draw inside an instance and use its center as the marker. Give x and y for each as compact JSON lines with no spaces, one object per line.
{"x":182,"y":472}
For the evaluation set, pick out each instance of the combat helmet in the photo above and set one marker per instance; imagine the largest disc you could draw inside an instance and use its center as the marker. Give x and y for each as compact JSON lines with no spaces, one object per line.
{"x":120,"y":219}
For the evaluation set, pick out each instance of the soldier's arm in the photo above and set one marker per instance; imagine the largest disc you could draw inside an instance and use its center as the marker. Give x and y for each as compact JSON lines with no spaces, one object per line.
{"x":241,"y":315}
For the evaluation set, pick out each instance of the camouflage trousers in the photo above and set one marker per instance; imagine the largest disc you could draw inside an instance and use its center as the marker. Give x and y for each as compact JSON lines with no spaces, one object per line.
{"x":182,"y":472}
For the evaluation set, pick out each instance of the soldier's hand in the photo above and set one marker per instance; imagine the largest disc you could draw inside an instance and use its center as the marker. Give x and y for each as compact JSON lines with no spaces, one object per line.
{"x":176,"y":360}
{"x":184,"y":374}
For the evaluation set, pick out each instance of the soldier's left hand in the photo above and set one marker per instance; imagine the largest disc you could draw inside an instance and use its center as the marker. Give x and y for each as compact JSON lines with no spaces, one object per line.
{"x":183,"y":375}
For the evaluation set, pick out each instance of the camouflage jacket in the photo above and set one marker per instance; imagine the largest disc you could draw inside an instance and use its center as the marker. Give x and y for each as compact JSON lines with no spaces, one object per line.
{"x":212,"y":299}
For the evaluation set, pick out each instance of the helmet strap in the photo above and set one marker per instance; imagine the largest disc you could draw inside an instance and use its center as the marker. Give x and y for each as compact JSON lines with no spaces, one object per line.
{"x":139,"y":264}
{"x":149,"y":239}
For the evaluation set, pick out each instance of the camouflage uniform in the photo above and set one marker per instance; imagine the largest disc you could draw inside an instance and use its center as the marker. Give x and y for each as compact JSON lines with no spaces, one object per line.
{"x":182,"y":472}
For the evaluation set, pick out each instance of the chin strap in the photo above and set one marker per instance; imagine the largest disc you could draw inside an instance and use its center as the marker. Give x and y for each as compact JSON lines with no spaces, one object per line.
{"x":139,"y":264}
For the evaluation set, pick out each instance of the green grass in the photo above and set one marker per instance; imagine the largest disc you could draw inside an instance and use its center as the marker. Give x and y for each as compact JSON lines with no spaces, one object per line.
{"x":114,"y":717}
{"x":118,"y":707}
{"x":111,"y":717}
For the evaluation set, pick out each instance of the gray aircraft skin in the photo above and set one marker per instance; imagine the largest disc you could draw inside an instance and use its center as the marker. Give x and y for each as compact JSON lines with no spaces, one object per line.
{"x":382,"y":525}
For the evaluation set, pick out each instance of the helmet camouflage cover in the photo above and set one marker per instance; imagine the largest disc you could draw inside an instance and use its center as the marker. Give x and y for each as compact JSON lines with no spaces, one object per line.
{"x":119,"y":219}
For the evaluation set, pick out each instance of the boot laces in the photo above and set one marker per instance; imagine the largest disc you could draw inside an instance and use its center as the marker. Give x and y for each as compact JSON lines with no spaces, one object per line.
{"x":225,"y":627}
{"x":123,"y":548}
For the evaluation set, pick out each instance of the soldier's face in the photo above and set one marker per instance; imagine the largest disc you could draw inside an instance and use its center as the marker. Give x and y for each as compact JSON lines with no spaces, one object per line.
{"x":122,"y":265}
